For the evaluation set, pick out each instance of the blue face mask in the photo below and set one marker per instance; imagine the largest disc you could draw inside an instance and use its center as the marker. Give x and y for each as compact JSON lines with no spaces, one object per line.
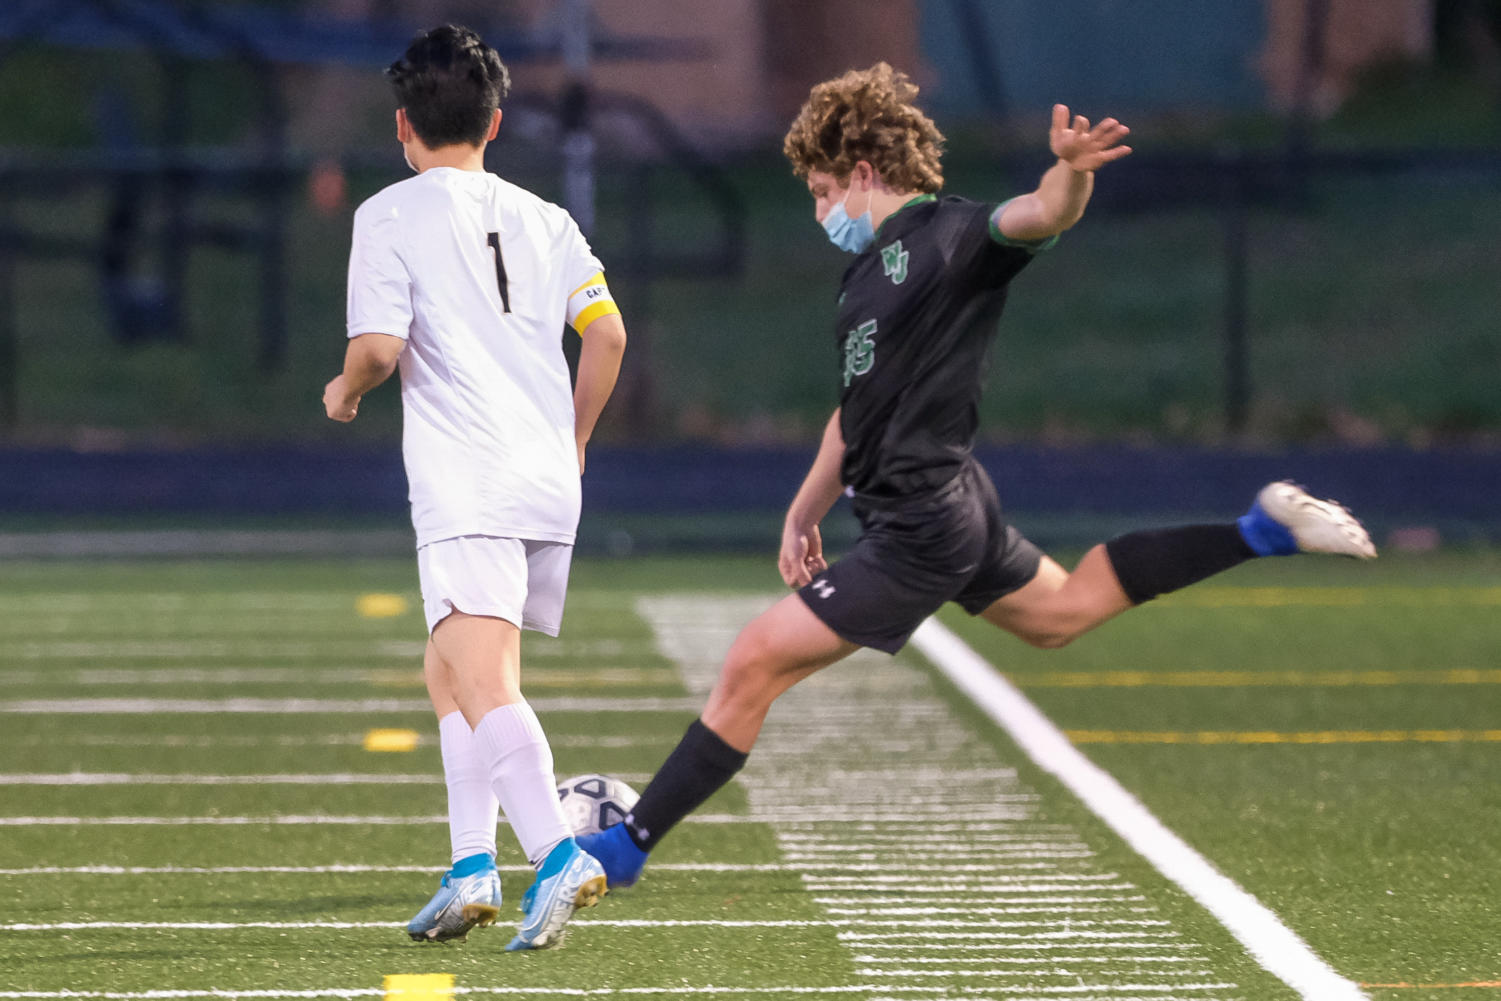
{"x":853,"y":235}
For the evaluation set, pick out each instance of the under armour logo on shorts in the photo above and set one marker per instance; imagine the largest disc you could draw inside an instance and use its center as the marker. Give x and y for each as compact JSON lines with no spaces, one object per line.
{"x":823,"y":587}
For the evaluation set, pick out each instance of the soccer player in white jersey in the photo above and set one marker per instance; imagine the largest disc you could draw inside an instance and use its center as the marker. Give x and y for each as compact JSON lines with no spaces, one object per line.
{"x":464,"y":282}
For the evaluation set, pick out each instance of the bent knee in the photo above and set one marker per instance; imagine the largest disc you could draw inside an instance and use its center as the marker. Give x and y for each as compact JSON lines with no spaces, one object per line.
{"x":1049,"y":632}
{"x":748,"y":668}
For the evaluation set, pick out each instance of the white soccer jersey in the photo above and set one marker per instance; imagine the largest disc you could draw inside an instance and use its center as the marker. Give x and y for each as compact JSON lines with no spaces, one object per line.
{"x":475,"y":274}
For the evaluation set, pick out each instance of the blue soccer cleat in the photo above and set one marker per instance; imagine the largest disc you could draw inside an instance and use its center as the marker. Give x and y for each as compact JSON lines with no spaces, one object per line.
{"x":1284,"y":519}
{"x":461,"y":903}
{"x":621,"y":859}
{"x":568,"y":880}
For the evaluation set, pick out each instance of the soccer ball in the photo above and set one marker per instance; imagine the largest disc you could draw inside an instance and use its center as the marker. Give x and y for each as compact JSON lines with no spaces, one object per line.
{"x":593,"y":802}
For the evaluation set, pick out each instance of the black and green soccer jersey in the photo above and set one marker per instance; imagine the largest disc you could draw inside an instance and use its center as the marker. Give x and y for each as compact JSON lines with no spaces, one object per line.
{"x":917,"y":312}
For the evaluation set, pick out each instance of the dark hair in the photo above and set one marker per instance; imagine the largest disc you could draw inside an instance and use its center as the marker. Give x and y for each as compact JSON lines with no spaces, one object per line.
{"x":449,"y":82}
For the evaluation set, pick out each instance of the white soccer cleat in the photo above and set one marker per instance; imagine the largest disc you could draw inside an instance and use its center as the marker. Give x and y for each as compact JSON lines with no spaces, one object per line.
{"x":578,"y":882}
{"x":461,"y":903}
{"x":1316,"y":526}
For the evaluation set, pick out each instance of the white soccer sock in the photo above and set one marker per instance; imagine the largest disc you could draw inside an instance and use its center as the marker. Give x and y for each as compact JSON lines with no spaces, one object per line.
{"x":473,"y":810}
{"x":512,"y":741}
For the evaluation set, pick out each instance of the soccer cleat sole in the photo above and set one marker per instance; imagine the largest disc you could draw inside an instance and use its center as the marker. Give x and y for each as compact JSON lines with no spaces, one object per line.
{"x":480,"y":915}
{"x":590,"y":892}
{"x":475,"y":916}
{"x":588,"y":895}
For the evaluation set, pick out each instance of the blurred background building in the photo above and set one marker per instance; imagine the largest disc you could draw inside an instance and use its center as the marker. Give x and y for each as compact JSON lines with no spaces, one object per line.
{"x":1300,"y":258}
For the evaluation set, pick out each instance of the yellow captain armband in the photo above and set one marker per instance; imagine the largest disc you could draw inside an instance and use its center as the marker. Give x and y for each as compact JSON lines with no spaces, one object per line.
{"x":589,"y":302}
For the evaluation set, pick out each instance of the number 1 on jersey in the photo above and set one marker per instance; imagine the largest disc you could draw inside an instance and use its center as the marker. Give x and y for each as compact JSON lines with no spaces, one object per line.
{"x":500,"y":273}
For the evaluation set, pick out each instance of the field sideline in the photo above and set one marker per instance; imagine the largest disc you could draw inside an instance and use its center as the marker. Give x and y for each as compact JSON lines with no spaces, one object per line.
{"x":196,"y":805}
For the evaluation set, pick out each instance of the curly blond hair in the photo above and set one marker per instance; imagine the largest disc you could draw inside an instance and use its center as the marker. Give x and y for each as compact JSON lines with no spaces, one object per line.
{"x":867,"y":115}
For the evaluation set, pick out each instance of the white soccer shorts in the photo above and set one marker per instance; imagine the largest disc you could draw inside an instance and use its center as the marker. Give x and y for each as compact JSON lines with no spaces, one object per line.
{"x":520,"y":580}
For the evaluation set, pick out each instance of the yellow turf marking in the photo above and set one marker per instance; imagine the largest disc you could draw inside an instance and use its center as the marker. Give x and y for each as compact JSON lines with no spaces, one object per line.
{"x":391,"y":740}
{"x":419,"y":986}
{"x":1341,"y":597}
{"x":1274,"y":737}
{"x":380,"y":606}
{"x":1252,"y":679}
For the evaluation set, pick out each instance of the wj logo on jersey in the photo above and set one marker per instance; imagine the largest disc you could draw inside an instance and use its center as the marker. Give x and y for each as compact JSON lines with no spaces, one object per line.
{"x":859,"y":350}
{"x":894,"y":260}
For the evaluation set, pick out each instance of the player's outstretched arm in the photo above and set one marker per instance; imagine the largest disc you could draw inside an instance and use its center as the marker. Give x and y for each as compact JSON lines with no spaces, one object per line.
{"x":369,"y":361}
{"x":1060,"y":197}
{"x":802,"y":546}
{"x":599,"y":367}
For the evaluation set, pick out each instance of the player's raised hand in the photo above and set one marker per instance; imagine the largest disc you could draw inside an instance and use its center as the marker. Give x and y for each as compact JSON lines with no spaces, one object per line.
{"x":337,"y":402}
{"x":1084,"y":148}
{"x":801,"y":556}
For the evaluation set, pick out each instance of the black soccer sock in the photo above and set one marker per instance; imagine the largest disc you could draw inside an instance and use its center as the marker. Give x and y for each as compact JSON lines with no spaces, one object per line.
{"x":694,"y":771}
{"x":1157,"y":561}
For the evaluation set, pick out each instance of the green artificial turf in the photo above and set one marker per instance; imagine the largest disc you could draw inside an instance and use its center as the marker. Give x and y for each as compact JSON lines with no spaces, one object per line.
{"x":1380,"y":855}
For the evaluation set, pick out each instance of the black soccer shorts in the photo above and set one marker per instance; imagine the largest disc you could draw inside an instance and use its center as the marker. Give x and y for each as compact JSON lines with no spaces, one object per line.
{"x":913,"y":556}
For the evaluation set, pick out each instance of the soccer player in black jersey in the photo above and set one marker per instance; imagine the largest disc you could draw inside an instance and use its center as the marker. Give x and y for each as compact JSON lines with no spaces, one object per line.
{"x":917,"y":311}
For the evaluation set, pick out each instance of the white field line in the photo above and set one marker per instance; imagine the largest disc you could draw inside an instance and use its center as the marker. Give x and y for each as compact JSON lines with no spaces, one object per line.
{"x":1062,"y":935}
{"x":875,"y":800}
{"x":316,"y":819}
{"x":300,"y":676}
{"x":1021,"y":966}
{"x":1094,"y":906}
{"x":922,"y":948}
{"x":1015,"y":940}
{"x":814,"y":847}
{"x":914,"y":955}
{"x":917,"y":773}
{"x":905,"y":860}
{"x":255,"y":645}
{"x":785,"y":816}
{"x":903,"y":831}
{"x":252,"y":705}
{"x":211,"y":649}
{"x":916,"y":862}
{"x":154,"y":779}
{"x":73,"y":739}
{"x":1273,"y":945}
{"x":832,"y":882}
{"x":885,"y":970}
{"x":799,"y":848}
{"x":340,"y":868}
{"x":317,"y":603}
{"x":186,"y":779}
{"x":874,"y":992}
{"x":867,"y":863}
{"x":205,"y":542}
{"x":820,"y":839}
{"x":991,"y":945}
{"x":276,"y":820}
{"x":917,"y":952}
{"x":314,"y":603}
{"x":964,"y":889}
{"x":971,"y":927}
{"x":1158,"y":926}
{"x":1078,"y":898}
